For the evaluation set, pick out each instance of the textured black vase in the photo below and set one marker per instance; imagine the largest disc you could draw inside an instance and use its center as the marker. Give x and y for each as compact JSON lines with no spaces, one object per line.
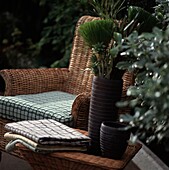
{"x":113,"y":139}
{"x":105,"y":93}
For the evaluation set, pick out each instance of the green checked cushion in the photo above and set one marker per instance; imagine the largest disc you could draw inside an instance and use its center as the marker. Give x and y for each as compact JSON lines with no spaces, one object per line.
{"x":49,"y":105}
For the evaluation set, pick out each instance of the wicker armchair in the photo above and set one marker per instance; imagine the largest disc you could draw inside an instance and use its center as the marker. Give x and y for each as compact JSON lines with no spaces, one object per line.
{"x":74,"y":80}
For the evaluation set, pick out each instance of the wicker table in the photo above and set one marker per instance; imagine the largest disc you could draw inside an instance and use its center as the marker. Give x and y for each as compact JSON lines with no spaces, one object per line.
{"x":76,"y":160}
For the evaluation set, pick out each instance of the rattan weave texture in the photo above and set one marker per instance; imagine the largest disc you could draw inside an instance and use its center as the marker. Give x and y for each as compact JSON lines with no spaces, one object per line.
{"x":77,"y":160}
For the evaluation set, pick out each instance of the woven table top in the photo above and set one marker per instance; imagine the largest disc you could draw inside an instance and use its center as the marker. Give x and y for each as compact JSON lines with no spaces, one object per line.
{"x":79,"y":160}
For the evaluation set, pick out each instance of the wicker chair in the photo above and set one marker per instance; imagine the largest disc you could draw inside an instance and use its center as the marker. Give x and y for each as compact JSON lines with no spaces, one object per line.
{"x":72,"y":80}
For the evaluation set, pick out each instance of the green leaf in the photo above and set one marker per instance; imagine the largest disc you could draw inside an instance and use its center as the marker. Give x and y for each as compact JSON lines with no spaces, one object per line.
{"x":114,"y":52}
{"x":126,"y":118}
{"x":147,"y":20}
{"x":123,"y":65}
{"x":122,"y":104}
{"x":97,"y":32}
{"x":117,"y":37}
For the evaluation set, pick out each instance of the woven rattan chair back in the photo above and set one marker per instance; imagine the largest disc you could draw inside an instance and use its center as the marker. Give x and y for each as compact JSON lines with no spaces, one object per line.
{"x":80,"y":78}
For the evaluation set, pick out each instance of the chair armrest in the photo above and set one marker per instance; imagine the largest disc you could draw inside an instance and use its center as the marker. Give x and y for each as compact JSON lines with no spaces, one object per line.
{"x":80,"y":111}
{"x":29,"y":81}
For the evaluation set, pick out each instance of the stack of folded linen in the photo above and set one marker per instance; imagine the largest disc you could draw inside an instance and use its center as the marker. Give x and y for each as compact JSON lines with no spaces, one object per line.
{"x":45,"y":136}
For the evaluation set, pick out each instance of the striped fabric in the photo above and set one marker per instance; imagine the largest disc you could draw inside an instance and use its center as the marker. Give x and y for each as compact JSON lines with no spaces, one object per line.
{"x":45,"y":136}
{"x":48,"y":105}
{"x":48,"y":132}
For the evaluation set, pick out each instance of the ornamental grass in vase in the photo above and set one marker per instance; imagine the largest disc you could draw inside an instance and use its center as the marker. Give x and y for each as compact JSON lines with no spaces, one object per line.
{"x":106,"y":89}
{"x":105,"y":37}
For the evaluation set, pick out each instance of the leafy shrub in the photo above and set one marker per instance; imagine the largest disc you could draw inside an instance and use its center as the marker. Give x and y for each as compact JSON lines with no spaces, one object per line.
{"x":49,"y":24}
{"x":59,"y":28}
{"x":149,"y":61}
{"x":19,"y":33}
{"x":20,"y":53}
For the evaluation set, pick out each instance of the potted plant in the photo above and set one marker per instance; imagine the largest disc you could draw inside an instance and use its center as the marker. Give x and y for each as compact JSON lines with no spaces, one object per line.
{"x":105,"y":38}
{"x":105,"y":91}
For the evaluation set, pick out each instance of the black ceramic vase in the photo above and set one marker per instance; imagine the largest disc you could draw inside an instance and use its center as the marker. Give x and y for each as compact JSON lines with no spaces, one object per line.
{"x":105,"y":93}
{"x":113,"y":139}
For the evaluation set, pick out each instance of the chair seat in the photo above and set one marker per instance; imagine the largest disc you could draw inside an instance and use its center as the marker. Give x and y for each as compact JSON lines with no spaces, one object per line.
{"x":55,"y":105}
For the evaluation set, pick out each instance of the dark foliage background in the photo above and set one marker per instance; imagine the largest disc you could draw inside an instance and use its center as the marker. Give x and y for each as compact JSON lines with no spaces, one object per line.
{"x":35,"y":33}
{"x":41,"y":28}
